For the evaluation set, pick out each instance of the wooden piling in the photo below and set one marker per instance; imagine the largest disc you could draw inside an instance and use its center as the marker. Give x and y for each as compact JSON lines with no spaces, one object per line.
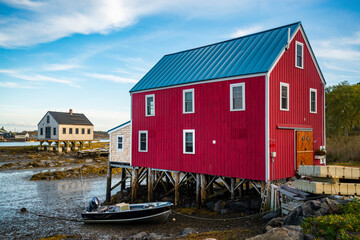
{"x":123,"y":178}
{"x":203,"y":188}
{"x":232,"y":188}
{"x":134,"y":183}
{"x":177,"y":192}
{"x":198,"y":192}
{"x":108,"y":183}
{"x":150,"y":182}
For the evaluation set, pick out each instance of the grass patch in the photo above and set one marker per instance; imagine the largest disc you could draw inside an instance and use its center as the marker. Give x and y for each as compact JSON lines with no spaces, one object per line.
{"x":343,"y":149}
{"x":221,"y":235}
{"x":345,"y":225}
{"x":21,"y":149}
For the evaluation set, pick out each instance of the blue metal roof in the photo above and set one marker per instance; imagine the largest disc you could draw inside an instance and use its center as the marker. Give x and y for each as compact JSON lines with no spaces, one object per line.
{"x":254,"y":53}
{"x":123,"y":124}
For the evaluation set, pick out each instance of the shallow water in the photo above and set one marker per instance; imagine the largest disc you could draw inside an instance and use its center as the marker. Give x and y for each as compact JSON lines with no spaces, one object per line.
{"x":52,"y":206}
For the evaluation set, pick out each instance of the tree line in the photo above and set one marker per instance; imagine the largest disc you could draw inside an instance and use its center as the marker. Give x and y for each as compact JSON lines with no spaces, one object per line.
{"x":342,"y":109}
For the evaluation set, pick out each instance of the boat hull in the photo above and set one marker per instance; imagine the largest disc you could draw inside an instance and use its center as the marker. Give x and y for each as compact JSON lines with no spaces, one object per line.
{"x":146,"y":215}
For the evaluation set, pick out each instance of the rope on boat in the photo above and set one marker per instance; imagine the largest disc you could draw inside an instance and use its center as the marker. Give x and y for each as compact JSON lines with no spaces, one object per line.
{"x":56,"y":218}
{"x":223,"y":219}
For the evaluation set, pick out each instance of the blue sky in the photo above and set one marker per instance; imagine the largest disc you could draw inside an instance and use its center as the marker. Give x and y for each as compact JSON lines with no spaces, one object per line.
{"x":86,"y":55}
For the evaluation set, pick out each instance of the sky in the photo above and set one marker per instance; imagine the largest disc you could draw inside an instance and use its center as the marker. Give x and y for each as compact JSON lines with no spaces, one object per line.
{"x":86,"y":55}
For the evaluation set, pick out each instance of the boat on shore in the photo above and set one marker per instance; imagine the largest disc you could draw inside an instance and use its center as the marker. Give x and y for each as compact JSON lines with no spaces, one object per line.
{"x":153,"y":212}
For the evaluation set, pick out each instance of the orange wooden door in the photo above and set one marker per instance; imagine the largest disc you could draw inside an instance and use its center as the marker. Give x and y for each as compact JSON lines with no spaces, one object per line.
{"x":304,"y":148}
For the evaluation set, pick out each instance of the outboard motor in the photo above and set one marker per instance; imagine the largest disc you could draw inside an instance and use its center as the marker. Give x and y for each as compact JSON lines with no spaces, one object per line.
{"x":93,"y":204}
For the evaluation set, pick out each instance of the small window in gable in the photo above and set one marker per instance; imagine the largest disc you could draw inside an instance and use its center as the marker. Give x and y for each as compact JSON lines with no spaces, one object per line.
{"x":47,"y":119}
{"x":54,"y":131}
{"x":64,"y":130}
{"x":41,"y":131}
{"x":299,"y":55}
{"x":313,"y":105}
{"x":189,"y":141}
{"x":89,"y":130}
{"x":188,"y":101}
{"x":143,"y":141}
{"x":120,"y":142}
{"x":284,"y":96}
{"x":237,"y":97}
{"x":150,"y":105}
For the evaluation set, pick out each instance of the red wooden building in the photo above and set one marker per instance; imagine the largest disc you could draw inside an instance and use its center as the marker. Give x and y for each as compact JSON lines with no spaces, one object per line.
{"x":227,"y":108}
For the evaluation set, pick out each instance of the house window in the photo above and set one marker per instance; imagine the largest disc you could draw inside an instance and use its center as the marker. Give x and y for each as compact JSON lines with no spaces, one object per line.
{"x":237,"y":97}
{"x":299,"y":56}
{"x":41,"y":131}
{"x":313,"y":105}
{"x":143,"y":141}
{"x":150,"y":105}
{"x":89,"y":131}
{"x":188,"y":101}
{"x":284,"y":96}
{"x":48,"y":119}
{"x":54,"y":131}
{"x":77,"y":131}
{"x":189,"y":141}
{"x":64,"y":130}
{"x":120,"y":142}
{"x":83,"y":131}
{"x":70,"y":130}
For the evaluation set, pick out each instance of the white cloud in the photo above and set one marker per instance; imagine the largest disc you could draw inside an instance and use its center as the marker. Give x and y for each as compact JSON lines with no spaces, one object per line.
{"x":46,"y":21}
{"x":14,"y":85}
{"x":37,"y":78}
{"x":59,"y":67}
{"x":245,"y":31}
{"x":113,"y":78}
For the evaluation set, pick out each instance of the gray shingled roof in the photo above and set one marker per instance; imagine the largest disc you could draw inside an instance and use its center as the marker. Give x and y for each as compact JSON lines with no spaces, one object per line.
{"x":74,"y":119}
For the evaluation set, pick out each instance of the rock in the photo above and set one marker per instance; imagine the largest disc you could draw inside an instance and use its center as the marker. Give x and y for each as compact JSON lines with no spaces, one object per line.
{"x":224,"y":211}
{"x":210,"y":205}
{"x":284,"y":233}
{"x":88,"y":160}
{"x":275,"y":222}
{"x":154,"y":236}
{"x":308,"y":237}
{"x":268,"y":228}
{"x":188,"y":231}
{"x":219,"y":205}
{"x":239,"y":206}
{"x":311,"y":208}
{"x":139,"y":236}
{"x":271,"y":215}
{"x":255,"y":203}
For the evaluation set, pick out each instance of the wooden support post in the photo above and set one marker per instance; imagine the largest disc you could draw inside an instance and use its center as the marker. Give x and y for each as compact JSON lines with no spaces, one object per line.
{"x":134,"y":183}
{"x":177,"y":192}
{"x":203,"y":189}
{"x":247,"y":187}
{"x":198,"y":192}
{"x":232,"y":188}
{"x":150,"y":183}
{"x":123,"y":178}
{"x":108,"y":184}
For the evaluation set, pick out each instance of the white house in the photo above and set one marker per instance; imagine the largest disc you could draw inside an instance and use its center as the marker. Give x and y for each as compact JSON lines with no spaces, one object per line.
{"x":65,"y":126}
{"x":120,"y":142}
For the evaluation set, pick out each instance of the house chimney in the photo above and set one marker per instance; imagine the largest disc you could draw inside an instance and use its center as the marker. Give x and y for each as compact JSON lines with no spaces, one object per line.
{"x":70,"y":111}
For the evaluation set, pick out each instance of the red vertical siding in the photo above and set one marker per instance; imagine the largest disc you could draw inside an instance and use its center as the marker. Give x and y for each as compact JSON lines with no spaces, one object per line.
{"x":300,"y":81}
{"x":240,"y":135}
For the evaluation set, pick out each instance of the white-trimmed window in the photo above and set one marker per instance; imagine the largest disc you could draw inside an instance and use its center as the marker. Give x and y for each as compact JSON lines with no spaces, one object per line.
{"x":120,"y":142}
{"x":143,"y":141}
{"x":284,"y":96}
{"x":189,"y":141}
{"x":299,"y":55}
{"x":313,"y":102}
{"x":188,"y":101}
{"x":150,"y":105}
{"x":237,"y":97}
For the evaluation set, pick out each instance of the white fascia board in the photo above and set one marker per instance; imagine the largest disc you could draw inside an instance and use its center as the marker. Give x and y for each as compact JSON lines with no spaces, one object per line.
{"x":118,"y":128}
{"x":300,"y":28}
{"x":203,"y":82}
{"x":267,"y":130}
